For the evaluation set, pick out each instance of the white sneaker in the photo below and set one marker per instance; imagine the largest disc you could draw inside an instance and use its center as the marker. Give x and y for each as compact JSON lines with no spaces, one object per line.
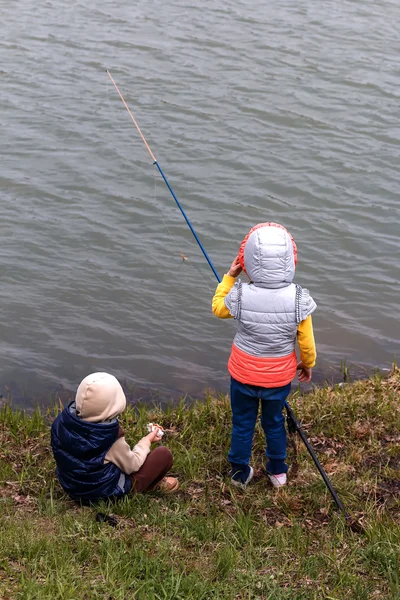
{"x":278,"y":480}
{"x":243,"y":484}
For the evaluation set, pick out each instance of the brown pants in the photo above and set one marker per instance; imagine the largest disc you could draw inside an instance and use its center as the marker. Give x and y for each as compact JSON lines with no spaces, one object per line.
{"x":156,"y":465}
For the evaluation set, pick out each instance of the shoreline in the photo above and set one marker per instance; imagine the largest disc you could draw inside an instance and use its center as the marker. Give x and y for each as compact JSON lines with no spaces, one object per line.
{"x":149,"y":395}
{"x":211,"y":540}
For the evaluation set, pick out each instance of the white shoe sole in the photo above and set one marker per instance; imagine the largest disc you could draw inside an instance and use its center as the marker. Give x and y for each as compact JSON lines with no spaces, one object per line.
{"x":278,"y":483}
{"x":239,"y":484}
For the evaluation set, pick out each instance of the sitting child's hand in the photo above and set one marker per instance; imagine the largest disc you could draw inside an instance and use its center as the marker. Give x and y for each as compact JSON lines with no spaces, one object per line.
{"x":156,"y":432}
{"x":154,"y":436}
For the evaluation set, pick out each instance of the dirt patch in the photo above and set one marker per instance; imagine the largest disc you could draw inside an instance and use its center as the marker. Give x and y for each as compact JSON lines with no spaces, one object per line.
{"x":389,"y":488}
{"x":385,"y":495}
{"x":377,"y":462}
{"x":273,"y":517}
{"x":328,"y":446}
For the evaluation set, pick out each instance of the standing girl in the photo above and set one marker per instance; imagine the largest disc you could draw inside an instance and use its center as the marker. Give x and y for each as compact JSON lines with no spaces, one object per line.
{"x":272,"y":313}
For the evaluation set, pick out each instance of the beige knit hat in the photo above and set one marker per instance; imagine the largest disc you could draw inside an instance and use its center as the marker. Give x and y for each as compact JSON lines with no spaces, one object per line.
{"x":99,"y":397}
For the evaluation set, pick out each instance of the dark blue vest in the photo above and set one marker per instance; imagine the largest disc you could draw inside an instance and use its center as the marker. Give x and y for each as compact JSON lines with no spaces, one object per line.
{"x":79,"y":450}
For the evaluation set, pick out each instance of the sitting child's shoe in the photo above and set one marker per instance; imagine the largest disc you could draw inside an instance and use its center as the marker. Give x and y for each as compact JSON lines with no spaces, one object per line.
{"x":278,"y":480}
{"x":243,"y":477}
{"x":167,"y":485}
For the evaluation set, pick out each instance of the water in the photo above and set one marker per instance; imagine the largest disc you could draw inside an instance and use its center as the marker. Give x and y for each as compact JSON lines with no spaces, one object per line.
{"x":288,"y":112}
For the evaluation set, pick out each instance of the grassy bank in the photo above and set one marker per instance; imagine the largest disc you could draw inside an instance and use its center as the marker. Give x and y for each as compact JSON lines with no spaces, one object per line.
{"x":211,"y":541}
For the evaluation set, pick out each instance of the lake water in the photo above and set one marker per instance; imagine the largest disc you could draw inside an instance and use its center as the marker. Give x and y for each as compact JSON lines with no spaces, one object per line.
{"x":287,"y":111}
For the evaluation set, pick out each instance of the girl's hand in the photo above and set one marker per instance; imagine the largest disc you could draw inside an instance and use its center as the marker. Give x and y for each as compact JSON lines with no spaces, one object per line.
{"x":235,"y":268}
{"x":305,"y":373}
{"x":154,"y":436}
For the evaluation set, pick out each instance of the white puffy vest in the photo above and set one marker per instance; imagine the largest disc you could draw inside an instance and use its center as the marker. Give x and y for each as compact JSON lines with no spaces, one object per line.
{"x":268,"y":318}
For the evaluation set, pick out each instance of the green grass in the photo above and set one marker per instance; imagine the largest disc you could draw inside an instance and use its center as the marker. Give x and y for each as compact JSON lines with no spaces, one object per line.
{"x":209,"y":540}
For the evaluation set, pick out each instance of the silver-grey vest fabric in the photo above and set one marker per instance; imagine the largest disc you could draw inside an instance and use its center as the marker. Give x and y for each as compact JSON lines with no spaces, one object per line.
{"x":269,"y":309}
{"x":269,"y":257}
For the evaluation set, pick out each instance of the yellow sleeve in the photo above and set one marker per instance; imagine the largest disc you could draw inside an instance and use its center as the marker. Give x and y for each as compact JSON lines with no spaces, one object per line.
{"x":305,"y":338}
{"x":218,"y":302}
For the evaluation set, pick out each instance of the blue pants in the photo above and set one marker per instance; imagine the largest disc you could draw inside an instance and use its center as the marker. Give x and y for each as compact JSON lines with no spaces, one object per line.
{"x":245,"y":400}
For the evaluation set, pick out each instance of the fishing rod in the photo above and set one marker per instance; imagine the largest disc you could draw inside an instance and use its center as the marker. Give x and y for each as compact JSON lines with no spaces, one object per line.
{"x":156,"y":163}
{"x":293,"y":423}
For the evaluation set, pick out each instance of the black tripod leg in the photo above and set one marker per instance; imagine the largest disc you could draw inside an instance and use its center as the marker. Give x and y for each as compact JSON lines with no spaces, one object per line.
{"x":294,"y":425}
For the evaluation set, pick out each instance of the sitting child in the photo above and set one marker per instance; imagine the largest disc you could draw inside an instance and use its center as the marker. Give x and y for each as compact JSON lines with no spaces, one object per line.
{"x":93,"y":459}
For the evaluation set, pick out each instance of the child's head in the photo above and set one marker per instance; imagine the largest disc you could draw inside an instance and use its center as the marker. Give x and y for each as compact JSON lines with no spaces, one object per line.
{"x":268,"y":254}
{"x":99,"y":397}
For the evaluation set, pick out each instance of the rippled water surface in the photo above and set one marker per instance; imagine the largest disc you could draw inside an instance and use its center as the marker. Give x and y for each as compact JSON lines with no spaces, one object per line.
{"x":286,"y":112}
